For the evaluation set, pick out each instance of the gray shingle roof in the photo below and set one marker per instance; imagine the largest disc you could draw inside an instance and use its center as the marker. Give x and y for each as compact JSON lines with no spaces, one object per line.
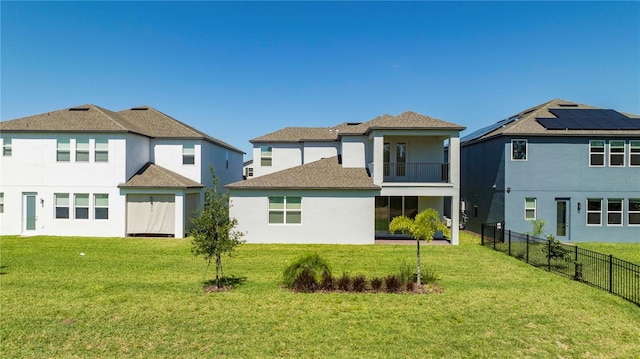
{"x":143,"y":120}
{"x":406,"y":120}
{"x":526,"y":124}
{"x":326,"y":173}
{"x":154,"y":176}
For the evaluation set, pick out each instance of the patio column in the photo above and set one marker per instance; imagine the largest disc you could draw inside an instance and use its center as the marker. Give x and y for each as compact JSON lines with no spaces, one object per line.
{"x":454,"y":177}
{"x":378,"y":159}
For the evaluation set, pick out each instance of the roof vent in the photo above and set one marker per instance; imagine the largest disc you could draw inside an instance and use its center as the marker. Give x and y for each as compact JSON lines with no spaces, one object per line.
{"x":79,"y":109}
{"x":567,"y":105}
{"x":353,"y":123}
{"x":139,"y":109}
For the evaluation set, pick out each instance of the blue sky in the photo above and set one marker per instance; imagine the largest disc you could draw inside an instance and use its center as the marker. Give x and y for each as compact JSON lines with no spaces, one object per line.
{"x":240,"y":70}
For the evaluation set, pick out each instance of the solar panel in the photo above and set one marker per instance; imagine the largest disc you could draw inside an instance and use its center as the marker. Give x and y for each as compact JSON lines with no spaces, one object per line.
{"x":588,"y":119}
{"x":485,"y":130}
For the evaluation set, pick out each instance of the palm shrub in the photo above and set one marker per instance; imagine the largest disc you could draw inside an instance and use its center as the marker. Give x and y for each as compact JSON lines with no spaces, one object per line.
{"x":328,"y":283}
{"x":392,"y":284}
{"x":314,"y":265}
{"x":305,"y":282}
{"x":376,"y":283}
{"x":359,"y":283}
{"x":344,"y":282}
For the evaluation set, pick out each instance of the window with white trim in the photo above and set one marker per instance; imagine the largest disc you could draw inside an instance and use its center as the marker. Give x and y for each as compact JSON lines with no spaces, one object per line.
{"x":62,"y":205}
{"x":101,"y":206}
{"x":82,"y":150}
{"x":594,"y":211}
{"x":285,"y":210}
{"x":1,"y":202}
{"x":7,"y":148}
{"x":266,"y":156}
{"x":596,"y":153}
{"x":614,"y":212}
{"x":81,"y":205}
{"x":188,"y":154}
{"x":102,"y":150}
{"x":616,"y":153}
{"x":634,"y":212}
{"x":63,"y":150}
{"x":518,"y":150}
{"x":634,"y":153}
{"x":530,"y":208}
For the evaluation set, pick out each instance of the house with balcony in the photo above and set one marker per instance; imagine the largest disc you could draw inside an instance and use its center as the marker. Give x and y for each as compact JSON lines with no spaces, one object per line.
{"x":344,"y":184}
{"x":89,"y":171}
{"x":575,"y":166}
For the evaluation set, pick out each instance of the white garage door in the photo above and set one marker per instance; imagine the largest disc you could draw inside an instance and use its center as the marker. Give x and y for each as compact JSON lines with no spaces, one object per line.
{"x":151,"y":214}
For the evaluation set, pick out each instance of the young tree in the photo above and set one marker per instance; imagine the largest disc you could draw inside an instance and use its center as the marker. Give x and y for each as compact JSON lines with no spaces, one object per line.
{"x":424,"y":226}
{"x":213,"y":234}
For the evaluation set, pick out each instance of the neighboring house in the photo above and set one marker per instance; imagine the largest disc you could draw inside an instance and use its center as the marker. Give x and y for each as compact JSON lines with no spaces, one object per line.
{"x":574,"y":166}
{"x":343,"y":184}
{"x":247,"y":169}
{"x":88,"y":171}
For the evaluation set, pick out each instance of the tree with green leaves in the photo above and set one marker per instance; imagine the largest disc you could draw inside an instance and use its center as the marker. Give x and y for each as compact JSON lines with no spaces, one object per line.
{"x":423,"y":227}
{"x":214,"y":231}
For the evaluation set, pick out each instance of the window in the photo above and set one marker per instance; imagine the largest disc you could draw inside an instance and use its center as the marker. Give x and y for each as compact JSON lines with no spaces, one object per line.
{"x":596,"y":153}
{"x":518,"y":150}
{"x":63,"y":150}
{"x":614,"y":212}
{"x":594,"y":212}
{"x":386,"y":157}
{"x":634,"y":211}
{"x":81,"y":205}
{"x":285,"y":210}
{"x":634,"y":153}
{"x":266,"y":156}
{"x":529,"y":208}
{"x":616,"y":153}
{"x":401,"y":159}
{"x":101,"y":206}
{"x":82,"y":150}
{"x":62,"y":205}
{"x":102,"y":150}
{"x":1,"y":202}
{"x":7,"y":146}
{"x":248,"y":172}
{"x":188,"y":154}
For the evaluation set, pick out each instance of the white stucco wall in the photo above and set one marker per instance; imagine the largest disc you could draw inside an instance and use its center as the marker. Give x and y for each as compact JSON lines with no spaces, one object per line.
{"x":354,"y":151}
{"x":328,"y":216}
{"x":227,"y":164}
{"x":168,"y":154}
{"x":314,"y":151}
{"x":284,"y":155}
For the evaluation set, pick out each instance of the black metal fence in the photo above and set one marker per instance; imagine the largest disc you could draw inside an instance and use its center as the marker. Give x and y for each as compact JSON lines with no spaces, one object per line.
{"x":602,"y":271}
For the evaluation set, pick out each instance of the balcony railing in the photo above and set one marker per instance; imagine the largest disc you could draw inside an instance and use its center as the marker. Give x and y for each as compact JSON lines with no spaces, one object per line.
{"x":415,"y":172}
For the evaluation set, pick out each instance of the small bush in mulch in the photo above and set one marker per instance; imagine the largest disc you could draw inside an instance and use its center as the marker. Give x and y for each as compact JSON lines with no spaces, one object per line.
{"x":344,"y":282}
{"x":359,"y":283}
{"x":392,"y":283}
{"x":305,"y":282}
{"x":376,"y":284}
{"x":328,"y":283}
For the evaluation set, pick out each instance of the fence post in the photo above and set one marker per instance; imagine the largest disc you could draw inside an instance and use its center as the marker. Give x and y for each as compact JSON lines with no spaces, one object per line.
{"x":509,"y":242}
{"x":610,"y":273}
{"x":495,"y":229}
{"x":527,"y":248}
{"x":482,"y":234}
{"x":549,"y":255}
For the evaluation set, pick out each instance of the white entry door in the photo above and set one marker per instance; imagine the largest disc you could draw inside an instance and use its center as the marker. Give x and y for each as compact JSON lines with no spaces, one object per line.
{"x":29,"y":213}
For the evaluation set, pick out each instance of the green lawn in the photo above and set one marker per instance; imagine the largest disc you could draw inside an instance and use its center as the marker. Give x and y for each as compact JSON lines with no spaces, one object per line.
{"x":629,"y":252}
{"x":144,"y":298}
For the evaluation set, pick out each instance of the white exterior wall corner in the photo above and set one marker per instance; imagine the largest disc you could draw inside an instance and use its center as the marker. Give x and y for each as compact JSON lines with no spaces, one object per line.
{"x":227,"y":164}
{"x":328,"y":217}
{"x":284,"y":155}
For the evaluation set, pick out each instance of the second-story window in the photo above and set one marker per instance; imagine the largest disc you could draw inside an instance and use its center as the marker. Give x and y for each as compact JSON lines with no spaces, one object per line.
{"x":634,"y":153}
{"x":102,"y":150}
{"x":518,"y":150}
{"x":7,"y":147}
{"x":616,"y":153}
{"x":266,"y":156}
{"x":596,"y":153}
{"x":82,"y":150}
{"x":63,"y":150}
{"x":188,"y":154}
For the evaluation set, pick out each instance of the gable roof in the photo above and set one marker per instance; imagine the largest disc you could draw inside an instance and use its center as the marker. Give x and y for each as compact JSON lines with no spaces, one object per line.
{"x":326,"y":173}
{"x":144,"y":121}
{"x":525,"y":123}
{"x":154,"y":176}
{"x":407,"y":120}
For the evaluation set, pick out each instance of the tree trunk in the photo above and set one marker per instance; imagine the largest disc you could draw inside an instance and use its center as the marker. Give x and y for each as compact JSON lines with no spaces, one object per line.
{"x":218,"y":269}
{"x":418,"y":260}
